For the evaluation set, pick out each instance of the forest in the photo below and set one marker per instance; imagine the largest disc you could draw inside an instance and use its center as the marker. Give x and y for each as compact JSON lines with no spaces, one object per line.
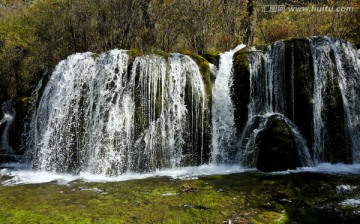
{"x":36,"y":34}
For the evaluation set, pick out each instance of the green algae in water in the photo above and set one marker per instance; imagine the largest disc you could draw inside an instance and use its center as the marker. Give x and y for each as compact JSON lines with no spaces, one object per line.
{"x":241,"y":198}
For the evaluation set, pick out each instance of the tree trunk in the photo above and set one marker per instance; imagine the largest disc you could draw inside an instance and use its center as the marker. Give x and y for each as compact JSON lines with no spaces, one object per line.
{"x":250,"y":23}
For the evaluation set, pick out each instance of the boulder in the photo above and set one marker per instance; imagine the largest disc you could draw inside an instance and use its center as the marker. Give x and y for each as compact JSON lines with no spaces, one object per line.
{"x":277,"y":149}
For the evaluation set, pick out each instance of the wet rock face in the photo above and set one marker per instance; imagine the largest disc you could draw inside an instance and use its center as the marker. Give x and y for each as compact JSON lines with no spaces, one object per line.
{"x":313,"y":82}
{"x":338,"y":150}
{"x":240,"y":88}
{"x":1,"y":114}
{"x":277,"y":149}
{"x":299,"y":75}
{"x":7,"y":159}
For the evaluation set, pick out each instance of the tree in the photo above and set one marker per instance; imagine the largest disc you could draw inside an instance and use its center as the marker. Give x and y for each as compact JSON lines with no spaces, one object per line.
{"x":250,"y":22}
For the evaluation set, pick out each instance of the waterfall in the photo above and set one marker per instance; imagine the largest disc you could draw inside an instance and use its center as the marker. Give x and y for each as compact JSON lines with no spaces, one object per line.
{"x":108,"y":114}
{"x":96,"y":115}
{"x":268,"y":102}
{"x":325,"y":86}
{"x":5,"y":123}
{"x":171,"y":106}
{"x":266,"y":90}
{"x":337,"y":78}
{"x":224,"y":132}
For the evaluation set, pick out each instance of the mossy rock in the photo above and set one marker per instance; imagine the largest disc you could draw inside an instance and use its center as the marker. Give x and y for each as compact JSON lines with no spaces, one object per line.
{"x":277,"y":149}
{"x":299,"y":88}
{"x":204,"y":68}
{"x":133,"y":53}
{"x":337,"y":147}
{"x":21,"y":106}
{"x":205,"y":72}
{"x":213,"y":58}
{"x":24,"y":103}
{"x":240,"y":89}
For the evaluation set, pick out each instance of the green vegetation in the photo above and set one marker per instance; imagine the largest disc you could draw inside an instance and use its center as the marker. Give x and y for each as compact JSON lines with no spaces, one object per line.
{"x":36,"y":35}
{"x":296,"y":24}
{"x":213,"y":58}
{"x":240,"y":198}
{"x":133,"y":53}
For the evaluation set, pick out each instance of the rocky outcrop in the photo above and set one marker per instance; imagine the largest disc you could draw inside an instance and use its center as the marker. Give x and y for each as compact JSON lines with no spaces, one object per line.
{"x":277,"y":148}
{"x":240,"y":88}
{"x":314,"y":83}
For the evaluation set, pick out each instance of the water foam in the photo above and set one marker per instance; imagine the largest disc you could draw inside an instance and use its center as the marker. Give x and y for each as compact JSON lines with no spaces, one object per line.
{"x":20,"y":174}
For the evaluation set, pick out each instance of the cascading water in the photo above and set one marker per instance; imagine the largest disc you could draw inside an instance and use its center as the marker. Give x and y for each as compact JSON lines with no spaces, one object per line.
{"x":100,"y":115}
{"x":95,"y":115}
{"x":266,"y":89}
{"x":267,"y":102}
{"x":170,"y":104}
{"x":337,"y":81}
{"x":308,"y":91}
{"x":224,"y":133}
{"x":8,"y":118}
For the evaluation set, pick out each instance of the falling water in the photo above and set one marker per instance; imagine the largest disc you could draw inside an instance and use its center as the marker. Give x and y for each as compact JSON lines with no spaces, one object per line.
{"x":267,"y":101}
{"x":336,"y":124}
{"x":171,"y":105}
{"x":96,"y":116}
{"x":336,"y":64}
{"x":224,"y":132}
{"x":7,"y":120}
{"x":106,"y":115}
{"x":267,"y":81}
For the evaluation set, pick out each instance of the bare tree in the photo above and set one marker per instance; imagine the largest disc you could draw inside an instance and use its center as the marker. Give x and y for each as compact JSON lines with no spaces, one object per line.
{"x":250,"y":22}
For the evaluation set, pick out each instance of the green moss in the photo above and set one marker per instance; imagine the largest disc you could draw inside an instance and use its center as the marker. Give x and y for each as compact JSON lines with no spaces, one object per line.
{"x":25,"y":102}
{"x":240,"y":198}
{"x":205,"y":72}
{"x":271,"y":217}
{"x":241,"y":61}
{"x":133,"y":53}
{"x":204,"y":68}
{"x":240,"y":89}
{"x":213,"y":57}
